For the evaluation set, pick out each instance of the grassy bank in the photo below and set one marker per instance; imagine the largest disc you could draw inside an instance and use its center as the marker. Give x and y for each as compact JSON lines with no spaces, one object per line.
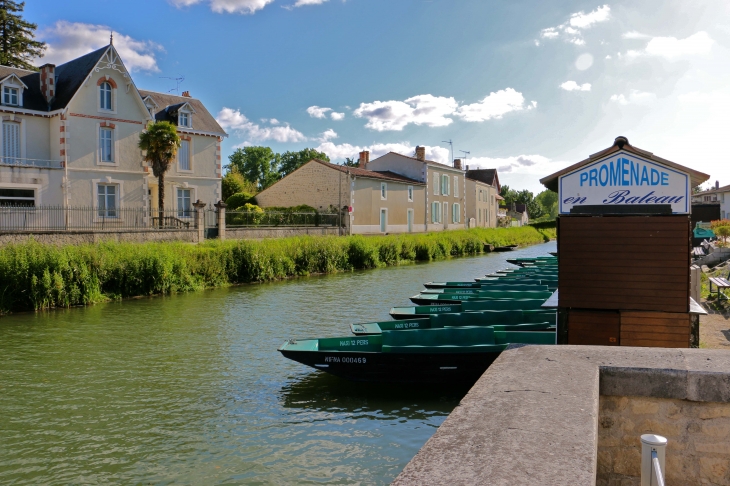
{"x":36,"y":276}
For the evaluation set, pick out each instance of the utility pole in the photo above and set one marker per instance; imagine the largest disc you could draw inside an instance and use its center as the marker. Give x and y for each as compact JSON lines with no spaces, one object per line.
{"x":452,"y":149}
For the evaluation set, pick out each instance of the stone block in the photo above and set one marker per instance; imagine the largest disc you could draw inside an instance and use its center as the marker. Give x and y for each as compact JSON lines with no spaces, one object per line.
{"x":715,"y":448}
{"x":628,"y":462}
{"x":713,"y":410}
{"x":715,"y":470}
{"x":716,"y":428}
{"x":641,"y":406}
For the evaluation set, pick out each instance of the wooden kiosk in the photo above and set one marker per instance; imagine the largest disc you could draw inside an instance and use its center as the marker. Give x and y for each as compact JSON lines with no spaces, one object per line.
{"x":624,"y":242}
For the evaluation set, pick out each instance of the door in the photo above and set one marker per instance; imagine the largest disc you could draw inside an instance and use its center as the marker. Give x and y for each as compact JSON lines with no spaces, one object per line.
{"x":410,"y":221}
{"x":383,"y":220}
{"x":446,"y":215}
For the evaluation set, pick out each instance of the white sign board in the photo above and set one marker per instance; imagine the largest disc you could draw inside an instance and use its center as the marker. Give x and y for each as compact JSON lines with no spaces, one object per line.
{"x":624,"y":178}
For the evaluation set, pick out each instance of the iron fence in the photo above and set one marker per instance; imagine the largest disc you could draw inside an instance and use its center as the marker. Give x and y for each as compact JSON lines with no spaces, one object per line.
{"x":240,"y":219}
{"x":58,"y":218}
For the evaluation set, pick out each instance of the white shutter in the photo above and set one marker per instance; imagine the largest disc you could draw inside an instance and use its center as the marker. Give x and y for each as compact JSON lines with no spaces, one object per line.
{"x":11,"y":140}
{"x":183,"y":155}
{"x":436,"y":182}
{"x":456,"y":186}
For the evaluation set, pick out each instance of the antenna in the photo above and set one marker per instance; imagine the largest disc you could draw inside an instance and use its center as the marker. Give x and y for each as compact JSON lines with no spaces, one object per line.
{"x":466,"y":154}
{"x":179,"y":79}
{"x":452,"y":149}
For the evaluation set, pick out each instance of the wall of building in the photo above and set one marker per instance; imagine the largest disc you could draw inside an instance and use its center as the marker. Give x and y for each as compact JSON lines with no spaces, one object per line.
{"x":453,"y":197}
{"x":481,"y":206}
{"x":405,"y":166}
{"x":313,"y":184}
{"x":698,"y":434}
{"x":368,"y":205}
{"x":47,"y":183}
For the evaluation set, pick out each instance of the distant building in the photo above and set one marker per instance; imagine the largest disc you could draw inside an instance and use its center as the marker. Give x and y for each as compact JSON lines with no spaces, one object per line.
{"x":482,"y":197}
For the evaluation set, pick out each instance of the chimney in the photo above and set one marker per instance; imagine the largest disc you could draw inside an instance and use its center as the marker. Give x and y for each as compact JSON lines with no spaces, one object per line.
{"x":717,"y":184}
{"x":421,"y":153}
{"x":48,"y":82}
{"x":457,"y":163}
{"x":364,"y":159}
{"x":186,"y":94}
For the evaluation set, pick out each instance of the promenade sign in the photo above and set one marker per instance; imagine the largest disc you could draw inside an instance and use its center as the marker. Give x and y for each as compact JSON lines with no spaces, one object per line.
{"x":624,"y":178}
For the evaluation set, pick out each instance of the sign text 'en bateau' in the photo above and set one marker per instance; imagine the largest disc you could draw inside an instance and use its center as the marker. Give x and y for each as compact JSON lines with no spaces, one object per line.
{"x":624,"y":178}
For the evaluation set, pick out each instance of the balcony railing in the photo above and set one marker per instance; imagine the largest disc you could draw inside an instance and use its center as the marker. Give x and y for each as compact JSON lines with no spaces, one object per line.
{"x":36,"y":163}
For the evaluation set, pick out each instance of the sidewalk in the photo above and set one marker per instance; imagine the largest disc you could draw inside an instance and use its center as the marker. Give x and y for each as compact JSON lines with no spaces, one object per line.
{"x":715,"y":330}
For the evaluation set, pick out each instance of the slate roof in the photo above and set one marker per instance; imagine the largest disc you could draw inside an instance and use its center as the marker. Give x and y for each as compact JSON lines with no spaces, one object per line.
{"x":384,"y":175}
{"x":486,"y":176}
{"x":169,"y":103}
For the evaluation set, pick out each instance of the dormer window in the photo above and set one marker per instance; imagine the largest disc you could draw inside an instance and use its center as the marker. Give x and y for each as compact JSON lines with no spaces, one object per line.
{"x":183,"y":119}
{"x":11,"y":96}
{"x":105,"y":96}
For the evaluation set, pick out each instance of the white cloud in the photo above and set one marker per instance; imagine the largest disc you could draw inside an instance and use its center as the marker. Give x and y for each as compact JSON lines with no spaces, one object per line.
{"x":582,"y":20}
{"x":69,"y":40}
{"x":571,"y":31}
{"x":317,"y":111}
{"x":345,"y":150}
{"x":507,"y":164}
{"x":227,"y":6}
{"x":301,"y":3}
{"x":327,"y":135}
{"x":635,"y":97}
{"x":231,"y":119}
{"x":429,"y":110}
{"x":573,"y":86}
{"x":671,"y":48}
{"x":337,"y":116}
{"x":495,"y":105}
{"x":635,"y":35}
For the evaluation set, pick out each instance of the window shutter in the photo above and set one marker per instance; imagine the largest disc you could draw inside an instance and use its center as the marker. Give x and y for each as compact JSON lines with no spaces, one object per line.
{"x":456,"y":186}
{"x":183,"y":155}
{"x":436,"y":181}
{"x":11,"y":139}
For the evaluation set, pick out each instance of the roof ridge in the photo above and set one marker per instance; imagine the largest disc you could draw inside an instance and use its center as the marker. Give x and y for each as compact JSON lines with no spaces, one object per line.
{"x":168,"y":94}
{"x":19,"y":69}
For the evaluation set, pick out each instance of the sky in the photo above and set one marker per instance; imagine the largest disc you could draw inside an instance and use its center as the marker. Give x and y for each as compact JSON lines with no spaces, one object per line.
{"x":528,"y":87}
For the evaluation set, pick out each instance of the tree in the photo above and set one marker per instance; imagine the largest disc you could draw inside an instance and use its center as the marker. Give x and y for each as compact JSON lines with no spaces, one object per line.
{"x":256,"y":164}
{"x":351,"y":162}
{"x":291,"y":161}
{"x":233,"y":182}
{"x":534,"y":209}
{"x":549,"y":201}
{"x":523,"y":197}
{"x":17,"y":44}
{"x":509,"y":195}
{"x":160,"y":143}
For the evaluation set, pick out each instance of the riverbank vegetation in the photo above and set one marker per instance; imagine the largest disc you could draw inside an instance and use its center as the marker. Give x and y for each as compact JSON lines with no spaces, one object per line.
{"x":37,"y":276}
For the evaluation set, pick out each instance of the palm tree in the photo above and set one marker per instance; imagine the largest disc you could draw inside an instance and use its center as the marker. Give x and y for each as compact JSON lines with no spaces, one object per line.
{"x":160,"y":143}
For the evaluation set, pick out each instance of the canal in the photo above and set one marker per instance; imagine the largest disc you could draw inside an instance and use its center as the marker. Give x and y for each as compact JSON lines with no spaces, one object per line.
{"x":189,"y":389}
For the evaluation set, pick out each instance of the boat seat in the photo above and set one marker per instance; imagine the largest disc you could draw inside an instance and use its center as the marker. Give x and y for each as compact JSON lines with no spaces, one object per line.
{"x":485,"y":318}
{"x":484,"y":348}
{"x":511,"y":304}
{"x":453,"y":336}
{"x":515,"y":294}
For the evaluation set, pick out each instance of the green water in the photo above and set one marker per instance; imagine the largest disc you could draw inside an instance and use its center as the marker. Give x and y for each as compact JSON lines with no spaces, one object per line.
{"x":189,"y":389}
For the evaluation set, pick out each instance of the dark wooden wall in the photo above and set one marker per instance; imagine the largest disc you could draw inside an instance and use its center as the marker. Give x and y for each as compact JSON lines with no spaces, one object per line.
{"x":624,"y":262}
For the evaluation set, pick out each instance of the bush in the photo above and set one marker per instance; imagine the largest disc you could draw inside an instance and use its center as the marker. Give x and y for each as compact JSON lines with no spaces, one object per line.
{"x":233,"y":182}
{"x":239,"y":200}
{"x":36,"y":276}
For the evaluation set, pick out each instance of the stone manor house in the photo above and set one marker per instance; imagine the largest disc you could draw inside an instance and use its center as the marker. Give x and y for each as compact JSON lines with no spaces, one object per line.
{"x":70,"y":133}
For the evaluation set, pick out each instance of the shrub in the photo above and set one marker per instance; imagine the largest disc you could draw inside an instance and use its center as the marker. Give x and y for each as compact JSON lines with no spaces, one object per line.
{"x":239,"y":200}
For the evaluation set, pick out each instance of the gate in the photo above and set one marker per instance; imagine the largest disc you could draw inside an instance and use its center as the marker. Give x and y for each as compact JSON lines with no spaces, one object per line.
{"x":210,"y":220}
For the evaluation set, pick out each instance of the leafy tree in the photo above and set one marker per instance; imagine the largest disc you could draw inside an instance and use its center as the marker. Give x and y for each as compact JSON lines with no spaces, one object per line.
{"x":549,"y":202}
{"x":534,"y":209}
{"x":258,"y":165}
{"x":351,"y":162}
{"x":523,"y":197}
{"x":233,"y":182}
{"x":509,"y":195}
{"x":17,"y":44}
{"x":291,"y":161}
{"x":723,"y":232}
{"x":160,"y":142}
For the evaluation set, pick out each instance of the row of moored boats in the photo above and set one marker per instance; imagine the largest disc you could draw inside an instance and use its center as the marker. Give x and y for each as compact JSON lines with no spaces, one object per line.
{"x":452,"y":334}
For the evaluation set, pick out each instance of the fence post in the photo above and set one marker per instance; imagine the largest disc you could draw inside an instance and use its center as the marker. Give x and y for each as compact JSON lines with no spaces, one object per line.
{"x":652,"y":450}
{"x":200,"y":219}
{"x":221,"y":219}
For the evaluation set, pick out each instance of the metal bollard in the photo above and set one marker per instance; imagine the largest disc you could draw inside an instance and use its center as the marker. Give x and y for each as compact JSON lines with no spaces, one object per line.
{"x":652,"y":459}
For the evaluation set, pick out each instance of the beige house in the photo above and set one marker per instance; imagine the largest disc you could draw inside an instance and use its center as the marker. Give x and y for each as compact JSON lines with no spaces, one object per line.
{"x":377,"y":201}
{"x":70,"y":133}
{"x":482,"y":197}
{"x":444,"y":202}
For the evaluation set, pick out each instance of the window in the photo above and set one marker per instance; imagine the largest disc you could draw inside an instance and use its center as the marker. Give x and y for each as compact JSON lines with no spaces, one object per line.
{"x":436,"y":182}
{"x":11,"y":141}
{"x":410,"y":193}
{"x":183,"y":203}
{"x":456,"y":213}
{"x":435,"y":212}
{"x":383,"y":220}
{"x":183,"y":155}
{"x":383,"y":191}
{"x":445,"y":185}
{"x":106,"y":136}
{"x":183,"y":119}
{"x":456,"y":186}
{"x":11,"y":96}
{"x":479,"y":215}
{"x":481,"y":195}
{"x":107,"y":200}
{"x":105,"y":96}
{"x":17,"y":197}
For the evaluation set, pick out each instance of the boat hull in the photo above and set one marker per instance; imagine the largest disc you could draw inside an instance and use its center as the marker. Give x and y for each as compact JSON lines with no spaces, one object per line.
{"x":426,"y":368}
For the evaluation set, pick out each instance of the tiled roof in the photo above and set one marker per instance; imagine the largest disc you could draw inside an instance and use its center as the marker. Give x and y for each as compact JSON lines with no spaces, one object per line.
{"x":70,"y":76}
{"x":382,"y":175}
{"x":168,"y":103}
{"x":713,"y":191}
{"x":430,"y":162}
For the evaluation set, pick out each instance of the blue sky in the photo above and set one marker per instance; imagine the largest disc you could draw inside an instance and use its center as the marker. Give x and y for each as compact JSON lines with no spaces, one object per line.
{"x":525,"y":86}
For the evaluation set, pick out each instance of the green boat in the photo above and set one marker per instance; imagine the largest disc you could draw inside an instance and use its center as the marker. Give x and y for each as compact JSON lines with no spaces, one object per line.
{"x":429,"y":299}
{"x":414,"y":312}
{"x":543,"y":319}
{"x":497,"y":286}
{"x":425,"y":356}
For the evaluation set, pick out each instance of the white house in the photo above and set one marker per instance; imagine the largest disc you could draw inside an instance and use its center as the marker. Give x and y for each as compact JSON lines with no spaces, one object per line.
{"x":70,"y":133}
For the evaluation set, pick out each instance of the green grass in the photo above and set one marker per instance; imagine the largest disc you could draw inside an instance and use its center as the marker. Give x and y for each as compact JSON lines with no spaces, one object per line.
{"x":37,"y":276}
